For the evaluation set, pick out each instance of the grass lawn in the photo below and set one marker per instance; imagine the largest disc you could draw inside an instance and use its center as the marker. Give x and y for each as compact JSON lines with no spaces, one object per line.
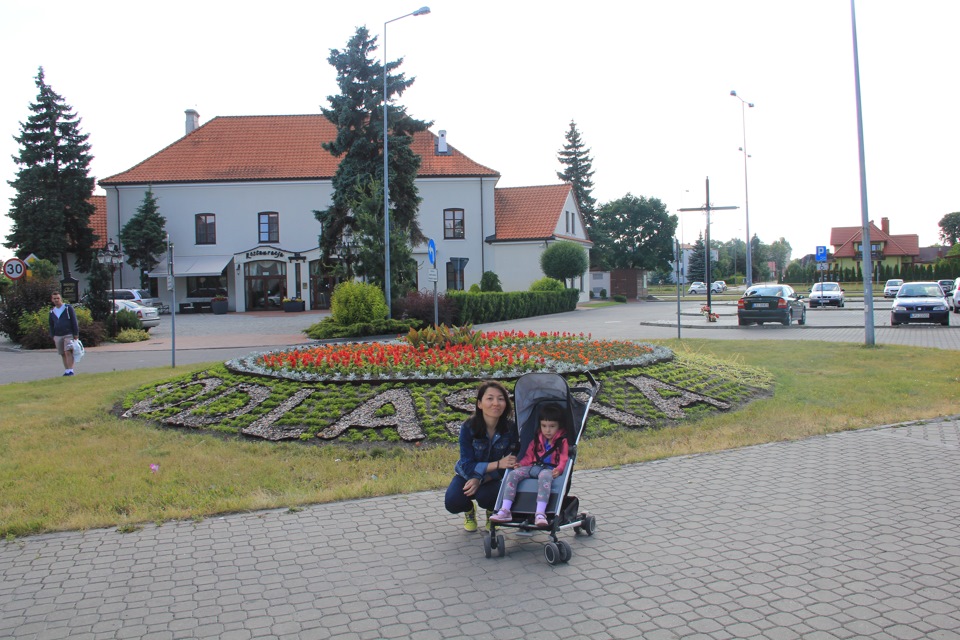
{"x":68,"y":463}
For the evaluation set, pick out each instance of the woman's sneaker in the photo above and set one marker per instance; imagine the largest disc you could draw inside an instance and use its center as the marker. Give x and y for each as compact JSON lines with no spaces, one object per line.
{"x":470,"y":519}
{"x":503,"y":515}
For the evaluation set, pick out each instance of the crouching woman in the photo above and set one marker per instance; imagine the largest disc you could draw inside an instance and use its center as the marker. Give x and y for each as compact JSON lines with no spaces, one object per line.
{"x":488,"y":447}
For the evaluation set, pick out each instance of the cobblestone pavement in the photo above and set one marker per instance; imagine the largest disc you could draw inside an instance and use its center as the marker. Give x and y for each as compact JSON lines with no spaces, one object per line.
{"x":850,"y":535}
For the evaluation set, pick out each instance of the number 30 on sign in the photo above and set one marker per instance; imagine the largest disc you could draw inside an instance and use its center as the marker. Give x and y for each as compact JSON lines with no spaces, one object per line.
{"x":14,"y":268}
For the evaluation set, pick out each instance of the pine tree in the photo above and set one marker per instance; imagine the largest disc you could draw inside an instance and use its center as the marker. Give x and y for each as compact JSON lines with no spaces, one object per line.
{"x":144,"y":237}
{"x":578,"y":171}
{"x":51,"y":209}
{"x":358,"y":115}
{"x":697,"y":267}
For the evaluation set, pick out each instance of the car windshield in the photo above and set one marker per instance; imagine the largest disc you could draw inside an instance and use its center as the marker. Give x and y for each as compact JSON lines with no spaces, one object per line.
{"x":765,"y":291}
{"x":827,"y":286}
{"x":920,"y":291}
{"x":894,"y":283}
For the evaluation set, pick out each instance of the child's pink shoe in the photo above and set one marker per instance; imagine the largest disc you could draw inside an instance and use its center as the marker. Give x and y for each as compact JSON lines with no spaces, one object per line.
{"x":503,"y":515}
{"x":540,"y":521}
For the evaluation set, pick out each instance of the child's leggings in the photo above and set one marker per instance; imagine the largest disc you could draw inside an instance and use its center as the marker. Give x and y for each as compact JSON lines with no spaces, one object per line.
{"x":544,"y":478}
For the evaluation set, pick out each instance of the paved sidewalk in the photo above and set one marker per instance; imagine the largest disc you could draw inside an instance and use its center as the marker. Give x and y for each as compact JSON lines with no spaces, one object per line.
{"x":851,"y":535}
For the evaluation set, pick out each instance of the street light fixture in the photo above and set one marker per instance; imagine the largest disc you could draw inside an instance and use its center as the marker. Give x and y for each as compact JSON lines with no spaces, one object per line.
{"x":345,"y":248}
{"x":746,"y":192}
{"x":112,"y":257}
{"x":386,"y":162}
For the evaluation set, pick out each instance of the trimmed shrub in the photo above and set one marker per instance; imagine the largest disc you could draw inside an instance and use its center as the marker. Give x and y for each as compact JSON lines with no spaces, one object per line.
{"x":474,"y":288}
{"x":619,"y":298}
{"x":477,"y":308}
{"x":546,"y":284}
{"x":328,"y":328}
{"x":356,"y":302}
{"x":418,"y":305}
{"x":132,"y":335}
{"x":490,"y":282}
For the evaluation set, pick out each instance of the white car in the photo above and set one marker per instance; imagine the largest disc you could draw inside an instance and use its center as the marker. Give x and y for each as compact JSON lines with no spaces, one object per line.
{"x":149,"y":316}
{"x":956,"y":295}
{"x":824,"y":293}
{"x":718,"y":286}
{"x":697,"y":287}
{"x":891,"y":288}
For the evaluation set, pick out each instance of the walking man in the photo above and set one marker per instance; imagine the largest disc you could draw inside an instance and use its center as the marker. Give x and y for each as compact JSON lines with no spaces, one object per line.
{"x":64,"y":329}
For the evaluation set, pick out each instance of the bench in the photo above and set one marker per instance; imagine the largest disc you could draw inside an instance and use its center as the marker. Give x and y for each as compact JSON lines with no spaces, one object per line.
{"x":186,"y":307}
{"x":202,"y":307}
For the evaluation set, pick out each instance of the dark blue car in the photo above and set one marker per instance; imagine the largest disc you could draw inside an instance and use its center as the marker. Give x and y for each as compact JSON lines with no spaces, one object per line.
{"x":771,"y":303}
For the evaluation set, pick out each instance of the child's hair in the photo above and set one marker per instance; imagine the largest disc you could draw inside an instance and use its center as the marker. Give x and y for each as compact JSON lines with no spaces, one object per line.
{"x":553,"y":412}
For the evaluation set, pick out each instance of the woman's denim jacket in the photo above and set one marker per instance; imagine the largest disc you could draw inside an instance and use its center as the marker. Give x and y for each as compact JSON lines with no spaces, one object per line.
{"x":475,"y":453}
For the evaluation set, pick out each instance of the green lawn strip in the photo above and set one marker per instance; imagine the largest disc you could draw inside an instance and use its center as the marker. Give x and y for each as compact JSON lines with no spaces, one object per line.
{"x":69,"y":463}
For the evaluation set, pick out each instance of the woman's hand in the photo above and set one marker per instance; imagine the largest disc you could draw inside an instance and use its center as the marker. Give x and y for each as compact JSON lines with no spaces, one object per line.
{"x":509,"y":462}
{"x":471,"y":487}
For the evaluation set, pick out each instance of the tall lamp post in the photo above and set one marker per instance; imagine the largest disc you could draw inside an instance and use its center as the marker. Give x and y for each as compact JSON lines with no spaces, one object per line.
{"x":746,"y":192}
{"x":345,"y":248}
{"x":112,"y":257}
{"x":386,"y":162}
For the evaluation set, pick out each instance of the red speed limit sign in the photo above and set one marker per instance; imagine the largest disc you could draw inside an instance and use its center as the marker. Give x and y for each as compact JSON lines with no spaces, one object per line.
{"x":14,"y":268}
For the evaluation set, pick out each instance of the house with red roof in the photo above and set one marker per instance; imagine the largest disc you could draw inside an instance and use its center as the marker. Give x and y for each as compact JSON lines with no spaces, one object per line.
{"x":886,"y":248}
{"x":239,"y":193}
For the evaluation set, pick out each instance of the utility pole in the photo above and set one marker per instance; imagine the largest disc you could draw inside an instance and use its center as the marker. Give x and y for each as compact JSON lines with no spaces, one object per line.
{"x":707,"y":208}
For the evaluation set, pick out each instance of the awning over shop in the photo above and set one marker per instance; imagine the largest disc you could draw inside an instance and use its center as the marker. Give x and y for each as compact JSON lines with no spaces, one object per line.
{"x":192,"y":266}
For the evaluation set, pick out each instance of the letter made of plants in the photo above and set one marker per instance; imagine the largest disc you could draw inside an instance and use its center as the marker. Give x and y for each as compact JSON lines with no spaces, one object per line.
{"x":416,"y":390}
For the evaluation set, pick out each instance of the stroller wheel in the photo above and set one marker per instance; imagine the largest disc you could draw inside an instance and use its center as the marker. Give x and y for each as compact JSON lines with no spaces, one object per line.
{"x":590,"y":525}
{"x":565,"y":551}
{"x":551,"y":552}
{"x":487,"y":545}
{"x":501,"y":546}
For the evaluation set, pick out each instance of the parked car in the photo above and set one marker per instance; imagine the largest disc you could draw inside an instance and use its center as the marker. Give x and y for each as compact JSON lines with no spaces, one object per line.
{"x":948,"y":287}
{"x":919,"y":302}
{"x":771,"y":303}
{"x":141,"y":296}
{"x":824,"y":293}
{"x":697,"y":287}
{"x":149,"y":316}
{"x":890,"y":289}
{"x":718,"y":286}
{"x":956,"y":295}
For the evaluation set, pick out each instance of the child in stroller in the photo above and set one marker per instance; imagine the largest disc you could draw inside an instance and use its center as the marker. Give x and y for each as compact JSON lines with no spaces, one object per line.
{"x":544,"y":460}
{"x":533,"y":393}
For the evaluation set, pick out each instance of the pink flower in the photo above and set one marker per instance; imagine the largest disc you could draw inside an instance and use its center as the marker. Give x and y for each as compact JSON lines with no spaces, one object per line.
{"x":154,"y":468}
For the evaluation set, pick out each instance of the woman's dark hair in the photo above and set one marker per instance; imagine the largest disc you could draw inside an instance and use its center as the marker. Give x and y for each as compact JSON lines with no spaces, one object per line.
{"x":553,"y":412}
{"x":477,"y":426}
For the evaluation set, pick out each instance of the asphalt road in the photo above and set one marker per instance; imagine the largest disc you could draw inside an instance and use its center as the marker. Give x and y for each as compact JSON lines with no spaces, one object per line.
{"x":206,"y":338}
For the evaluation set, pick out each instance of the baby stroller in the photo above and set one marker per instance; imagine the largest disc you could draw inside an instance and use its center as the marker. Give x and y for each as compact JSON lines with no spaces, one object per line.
{"x":531,"y":392}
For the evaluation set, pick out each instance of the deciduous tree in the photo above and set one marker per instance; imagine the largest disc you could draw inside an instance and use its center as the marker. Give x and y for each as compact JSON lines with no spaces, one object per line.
{"x":635,"y":233}
{"x":950,"y":228}
{"x":51,"y":209}
{"x":564,"y":260}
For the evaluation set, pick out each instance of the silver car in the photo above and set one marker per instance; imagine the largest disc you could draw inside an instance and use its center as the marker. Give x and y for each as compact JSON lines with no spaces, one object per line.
{"x":149,"y":316}
{"x":891,"y":288}
{"x":824,"y":293}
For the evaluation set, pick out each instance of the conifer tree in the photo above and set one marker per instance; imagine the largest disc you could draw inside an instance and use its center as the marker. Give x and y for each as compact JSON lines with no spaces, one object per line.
{"x":357,"y":113}
{"x":578,"y":171}
{"x":51,"y":209}
{"x":697,"y":267}
{"x":144,"y":237}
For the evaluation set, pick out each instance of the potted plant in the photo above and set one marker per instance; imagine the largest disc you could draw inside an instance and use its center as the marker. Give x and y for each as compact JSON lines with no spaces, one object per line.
{"x":293,"y":304}
{"x":219,"y":304}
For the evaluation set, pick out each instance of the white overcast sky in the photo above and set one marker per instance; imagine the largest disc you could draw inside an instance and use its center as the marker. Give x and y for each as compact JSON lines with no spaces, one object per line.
{"x":648,"y":83}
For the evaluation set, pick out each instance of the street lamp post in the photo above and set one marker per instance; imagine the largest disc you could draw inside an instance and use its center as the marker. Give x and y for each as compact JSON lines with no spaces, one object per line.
{"x":345,"y":248}
{"x":386,"y":162}
{"x":111,"y":257}
{"x":746,"y":192}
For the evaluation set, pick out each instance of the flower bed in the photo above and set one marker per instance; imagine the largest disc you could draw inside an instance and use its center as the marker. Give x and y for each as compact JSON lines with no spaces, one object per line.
{"x":504,"y":354}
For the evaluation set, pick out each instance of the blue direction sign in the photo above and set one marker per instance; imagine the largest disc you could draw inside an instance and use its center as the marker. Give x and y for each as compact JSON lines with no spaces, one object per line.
{"x":432,"y":252}
{"x":821,"y":254}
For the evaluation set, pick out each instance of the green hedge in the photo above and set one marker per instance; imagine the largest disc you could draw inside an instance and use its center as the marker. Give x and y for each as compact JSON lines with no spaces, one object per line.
{"x":478,"y":308}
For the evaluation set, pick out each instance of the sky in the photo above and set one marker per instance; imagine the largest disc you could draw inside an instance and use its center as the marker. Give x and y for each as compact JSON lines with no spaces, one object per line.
{"x":647,"y":82}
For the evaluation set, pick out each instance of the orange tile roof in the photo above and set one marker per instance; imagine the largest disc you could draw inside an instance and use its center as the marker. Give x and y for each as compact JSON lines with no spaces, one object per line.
{"x":530,"y":213}
{"x":98,"y":221}
{"x":246,"y":148}
{"x":844,"y":239}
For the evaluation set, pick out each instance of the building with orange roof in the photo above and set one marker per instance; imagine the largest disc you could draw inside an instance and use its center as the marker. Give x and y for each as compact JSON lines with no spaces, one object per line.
{"x":239,"y":195}
{"x":887,"y":249}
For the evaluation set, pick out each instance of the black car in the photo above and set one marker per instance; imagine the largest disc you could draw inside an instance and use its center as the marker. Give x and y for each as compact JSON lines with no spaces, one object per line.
{"x":771,"y":303}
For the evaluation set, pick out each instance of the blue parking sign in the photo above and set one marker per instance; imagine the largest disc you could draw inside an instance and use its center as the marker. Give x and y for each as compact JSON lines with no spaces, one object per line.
{"x":821,"y":254}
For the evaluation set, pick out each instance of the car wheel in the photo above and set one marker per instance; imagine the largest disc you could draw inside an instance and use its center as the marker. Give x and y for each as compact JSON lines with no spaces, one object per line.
{"x":786,"y":321}
{"x":803,"y":317}
{"x":742,"y":322}
{"x":945,"y":322}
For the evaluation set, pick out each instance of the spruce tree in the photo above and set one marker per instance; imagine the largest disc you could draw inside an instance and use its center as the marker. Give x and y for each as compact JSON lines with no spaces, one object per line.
{"x":357,"y":113}
{"x":144,"y":237}
{"x":578,"y":171}
{"x":697,"y":267}
{"x":51,"y":209}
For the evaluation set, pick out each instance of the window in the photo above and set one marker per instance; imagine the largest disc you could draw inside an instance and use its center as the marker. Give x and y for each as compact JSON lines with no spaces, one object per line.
{"x":270,"y":227}
{"x":455,"y":269}
{"x":453,"y":224}
{"x":206,"y":224}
